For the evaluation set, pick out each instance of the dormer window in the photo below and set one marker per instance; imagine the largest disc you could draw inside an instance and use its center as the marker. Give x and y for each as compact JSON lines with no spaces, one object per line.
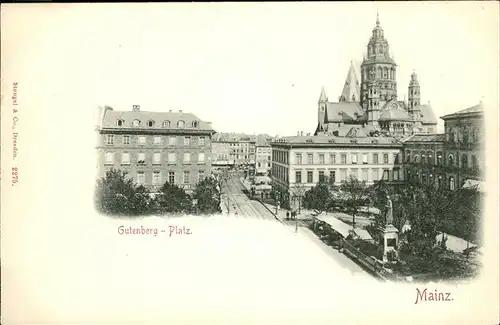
{"x":180,"y":124}
{"x":195,"y":124}
{"x":166,"y":124}
{"x":151,"y":124}
{"x":136,"y":123}
{"x":119,"y":122}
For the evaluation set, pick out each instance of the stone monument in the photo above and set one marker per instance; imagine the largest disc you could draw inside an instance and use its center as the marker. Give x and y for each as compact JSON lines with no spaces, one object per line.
{"x":390,"y":232}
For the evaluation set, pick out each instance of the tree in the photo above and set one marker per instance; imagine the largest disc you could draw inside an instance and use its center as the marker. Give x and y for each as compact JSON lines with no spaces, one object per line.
{"x":207,"y":196}
{"x":173,"y":199}
{"x":116,"y":195}
{"x":299,"y":190}
{"x":318,"y":197}
{"x":355,"y":196}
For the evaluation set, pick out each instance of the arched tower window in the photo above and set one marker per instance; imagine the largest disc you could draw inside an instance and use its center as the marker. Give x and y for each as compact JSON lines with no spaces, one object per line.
{"x":451,"y":160}
{"x":180,"y":124}
{"x":452,"y":183}
{"x":151,"y":124}
{"x":119,"y":122}
{"x":166,"y":124}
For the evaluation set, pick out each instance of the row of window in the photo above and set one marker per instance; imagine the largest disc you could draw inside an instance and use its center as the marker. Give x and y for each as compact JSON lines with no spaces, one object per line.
{"x":151,"y":123}
{"x":238,"y":144}
{"x":259,"y":164}
{"x":386,"y":73}
{"x":343,"y":159}
{"x":322,"y":175}
{"x":243,"y":150}
{"x":157,"y":159}
{"x":170,"y":177}
{"x":158,"y":140}
{"x":452,"y":162}
{"x":280,"y":156}
{"x":430,"y":179}
{"x":464,"y":134}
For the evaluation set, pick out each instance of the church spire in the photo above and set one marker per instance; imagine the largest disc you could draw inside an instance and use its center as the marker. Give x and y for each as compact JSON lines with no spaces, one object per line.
{"x":378,"y":20}
{"x":322,"y":96}
{"x":350,"y":92}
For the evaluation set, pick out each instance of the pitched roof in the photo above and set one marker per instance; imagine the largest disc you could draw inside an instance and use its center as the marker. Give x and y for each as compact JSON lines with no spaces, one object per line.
{"x":111,"y":117}
{"x":351,"y":86}
{"x":325,"y":139}
{"x":342,"y":112}
{"x":231,"y":137}
{"x":426,"y":138}
{"x":393,"y":110}
{"x":470,"y":110}
{"x":346,"y":129}
{"x":428,"y":116}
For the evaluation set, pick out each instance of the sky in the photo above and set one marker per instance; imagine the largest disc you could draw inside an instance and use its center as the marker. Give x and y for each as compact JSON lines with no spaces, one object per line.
{"x":255,"y":67}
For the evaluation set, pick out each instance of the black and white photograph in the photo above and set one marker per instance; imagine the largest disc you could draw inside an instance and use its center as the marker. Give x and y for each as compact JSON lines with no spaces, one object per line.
{"x":250,"y":163}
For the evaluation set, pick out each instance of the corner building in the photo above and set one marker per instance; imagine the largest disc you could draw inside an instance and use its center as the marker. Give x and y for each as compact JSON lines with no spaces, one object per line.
{"x":155,"y":147}
{"x":300,"y":162}
{"x":454,"y":159}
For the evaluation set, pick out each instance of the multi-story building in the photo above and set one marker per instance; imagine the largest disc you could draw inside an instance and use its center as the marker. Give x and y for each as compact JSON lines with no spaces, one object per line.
{"x":300,"y":162}
{"x":373,"y":101}
{"x":452,"y":159}
{"x":155,"y":147}
{"x":221,"y":148}
{"x":233,"y":150}
{"x":263,"y":155}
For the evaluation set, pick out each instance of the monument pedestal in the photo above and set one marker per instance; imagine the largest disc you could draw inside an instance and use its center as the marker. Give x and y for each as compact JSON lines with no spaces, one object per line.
{"x":390,"y":240}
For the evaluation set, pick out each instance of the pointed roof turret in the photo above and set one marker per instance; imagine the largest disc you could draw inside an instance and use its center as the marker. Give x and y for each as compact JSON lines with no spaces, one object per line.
{"x":322,"y":96}
{"x":350,"y":93}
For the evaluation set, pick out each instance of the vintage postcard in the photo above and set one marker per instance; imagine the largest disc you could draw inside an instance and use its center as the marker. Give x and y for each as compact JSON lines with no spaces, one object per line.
{"x":250,"y":163}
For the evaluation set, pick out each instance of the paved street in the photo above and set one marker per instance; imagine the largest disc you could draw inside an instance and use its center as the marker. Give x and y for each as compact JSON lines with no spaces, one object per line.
{"x":239,"y":204}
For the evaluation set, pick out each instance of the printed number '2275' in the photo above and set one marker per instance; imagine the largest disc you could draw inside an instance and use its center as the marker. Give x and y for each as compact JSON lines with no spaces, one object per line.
{"x":14,"y":175}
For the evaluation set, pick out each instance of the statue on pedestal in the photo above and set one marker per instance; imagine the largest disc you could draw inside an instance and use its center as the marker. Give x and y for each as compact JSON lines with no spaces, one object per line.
{"x":388,"y":214}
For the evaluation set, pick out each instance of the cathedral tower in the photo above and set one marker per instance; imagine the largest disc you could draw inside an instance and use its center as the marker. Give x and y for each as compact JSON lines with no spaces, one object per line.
{"x":414,"y":101}
{"x":372,"y":100}
{"x":378,"y":59}
{"x":323,"y":99}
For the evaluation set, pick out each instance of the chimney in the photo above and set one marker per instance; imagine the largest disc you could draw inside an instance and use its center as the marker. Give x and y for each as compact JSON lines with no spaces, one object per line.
{"x":298,"y":133}
{"x":301,"y":133}
{"x":170,"y":110}
{"x":136,"y":108}
{"x":180,"y":111}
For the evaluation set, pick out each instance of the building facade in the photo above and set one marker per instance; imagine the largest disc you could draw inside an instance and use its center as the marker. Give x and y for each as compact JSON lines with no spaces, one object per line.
{"x":374,"y":101}
{"x":263,"y":151}
{"x":155,"y":147}
{"x":300,"y":162}
{"x":454,"y":159}
{"x":233,"y":150}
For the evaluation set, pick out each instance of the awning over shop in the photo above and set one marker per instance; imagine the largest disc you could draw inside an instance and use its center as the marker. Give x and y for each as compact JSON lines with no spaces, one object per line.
{"x":337,"y":225}
{"x":342,"y":227}
{"x":474,"y":183}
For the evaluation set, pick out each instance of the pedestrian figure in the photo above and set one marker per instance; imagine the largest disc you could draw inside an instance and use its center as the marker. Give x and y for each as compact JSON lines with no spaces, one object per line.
{"x":287,"y":215}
